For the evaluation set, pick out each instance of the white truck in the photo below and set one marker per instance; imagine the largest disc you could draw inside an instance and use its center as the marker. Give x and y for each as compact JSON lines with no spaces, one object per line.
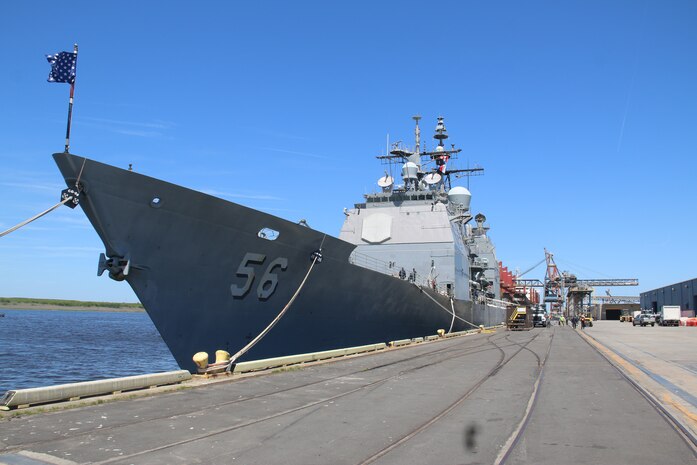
{"x":670,"y":315}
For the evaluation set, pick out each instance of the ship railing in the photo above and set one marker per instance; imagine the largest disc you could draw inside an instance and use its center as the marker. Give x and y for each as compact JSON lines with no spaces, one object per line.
{"x":388,"y":268}
{"x":441,"y":289}
{"x":392,"y":269}
{"x":372,"y":263}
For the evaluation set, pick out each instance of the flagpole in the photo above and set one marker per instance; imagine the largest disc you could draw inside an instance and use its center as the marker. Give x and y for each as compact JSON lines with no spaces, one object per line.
{"x":70,"y":105}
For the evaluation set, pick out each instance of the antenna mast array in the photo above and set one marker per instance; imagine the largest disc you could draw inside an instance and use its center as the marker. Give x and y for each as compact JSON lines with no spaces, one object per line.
{"x":413,"y":172}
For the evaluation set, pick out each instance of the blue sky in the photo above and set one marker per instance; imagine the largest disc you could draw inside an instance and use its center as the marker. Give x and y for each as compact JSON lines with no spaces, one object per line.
{"x":583,"y":113}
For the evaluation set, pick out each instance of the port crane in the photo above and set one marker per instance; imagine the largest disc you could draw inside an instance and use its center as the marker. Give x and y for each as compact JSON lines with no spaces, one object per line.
{"x":578,"y":291}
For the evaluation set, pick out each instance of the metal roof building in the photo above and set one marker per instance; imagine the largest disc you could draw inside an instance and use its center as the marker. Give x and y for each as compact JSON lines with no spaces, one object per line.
{"x":683,"y":294}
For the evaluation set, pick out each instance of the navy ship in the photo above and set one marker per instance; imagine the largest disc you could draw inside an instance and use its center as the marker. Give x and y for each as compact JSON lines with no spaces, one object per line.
{"x":213,"y":274}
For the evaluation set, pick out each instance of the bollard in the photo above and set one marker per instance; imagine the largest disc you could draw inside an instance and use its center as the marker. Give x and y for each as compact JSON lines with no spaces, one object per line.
{"x":222,"y":356}
{"x":201,"y":360}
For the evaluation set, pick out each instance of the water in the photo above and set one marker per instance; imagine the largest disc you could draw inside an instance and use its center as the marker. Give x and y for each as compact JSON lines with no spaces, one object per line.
{"x":44,"y":348}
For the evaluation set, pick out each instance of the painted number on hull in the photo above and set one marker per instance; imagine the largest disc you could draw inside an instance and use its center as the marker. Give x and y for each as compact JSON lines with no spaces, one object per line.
{"x":269,"y":280}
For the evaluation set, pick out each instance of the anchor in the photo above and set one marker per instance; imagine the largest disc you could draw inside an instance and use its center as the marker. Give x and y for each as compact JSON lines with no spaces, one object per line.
{"x":118,"y":267}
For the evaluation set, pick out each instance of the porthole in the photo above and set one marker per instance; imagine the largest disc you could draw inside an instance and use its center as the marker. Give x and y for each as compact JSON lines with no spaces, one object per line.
{"x":268,"y":234}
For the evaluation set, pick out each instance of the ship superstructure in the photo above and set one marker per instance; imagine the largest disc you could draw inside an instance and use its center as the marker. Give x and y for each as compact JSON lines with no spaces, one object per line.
{"x":420,"y":229}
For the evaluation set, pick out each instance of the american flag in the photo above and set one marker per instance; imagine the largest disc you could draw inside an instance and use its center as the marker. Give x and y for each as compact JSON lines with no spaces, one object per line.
{"x":63,"y":67}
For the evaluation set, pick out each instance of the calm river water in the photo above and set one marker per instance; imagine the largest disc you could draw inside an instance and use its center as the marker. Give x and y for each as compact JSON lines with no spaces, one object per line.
{"x":43,"y":348}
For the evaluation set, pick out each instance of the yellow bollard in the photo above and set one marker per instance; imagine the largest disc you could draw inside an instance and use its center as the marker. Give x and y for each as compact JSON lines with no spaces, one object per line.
{"x":481,"y":328}
{"x":201,"y":360}
{"x":441,"y":332}
{"x":222,"y":356}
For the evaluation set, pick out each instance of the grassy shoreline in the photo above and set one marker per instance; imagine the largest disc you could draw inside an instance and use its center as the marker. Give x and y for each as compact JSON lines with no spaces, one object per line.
{"x":21,"y":303}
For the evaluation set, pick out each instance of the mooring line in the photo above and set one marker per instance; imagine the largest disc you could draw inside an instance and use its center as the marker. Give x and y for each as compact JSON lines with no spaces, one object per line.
{"x":67,"y":199}
{"x":316,"y":256}
{"x":36,"y":217}
{"x":251,"y":422}
{"x":441,"y":306}
{"x":452,"y":352}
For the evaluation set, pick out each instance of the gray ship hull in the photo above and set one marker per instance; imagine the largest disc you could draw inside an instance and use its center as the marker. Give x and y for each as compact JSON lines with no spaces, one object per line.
{"x":188,"y":263}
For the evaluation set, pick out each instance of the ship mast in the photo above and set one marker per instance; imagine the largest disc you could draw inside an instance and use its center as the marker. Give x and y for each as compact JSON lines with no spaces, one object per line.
{"x":413,"y":174}
{"x":414,"y":157}
{"x":417,"y":134}
{"x":441,"y":133}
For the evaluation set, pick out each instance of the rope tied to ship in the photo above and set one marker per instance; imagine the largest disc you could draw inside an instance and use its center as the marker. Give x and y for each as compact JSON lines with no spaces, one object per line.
{"x":441,"y":306}
{"x":452,"y":322}
{"x":67,"y":195}
{"x":316,"y":258}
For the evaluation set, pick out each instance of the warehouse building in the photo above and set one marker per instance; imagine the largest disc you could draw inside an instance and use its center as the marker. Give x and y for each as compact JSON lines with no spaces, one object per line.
{"x":683,"y":294}
{"x":613,"y":310}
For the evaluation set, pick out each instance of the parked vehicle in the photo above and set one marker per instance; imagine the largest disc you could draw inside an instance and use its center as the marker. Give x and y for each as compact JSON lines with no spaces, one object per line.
{"x":670,"y":315}
{"x":539,"y":319}
{"x":645,"y":319}
{"x":626,"y":315}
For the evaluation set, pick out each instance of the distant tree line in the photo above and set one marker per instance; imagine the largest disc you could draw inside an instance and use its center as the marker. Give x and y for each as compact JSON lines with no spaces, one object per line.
{"x":67,"y":303}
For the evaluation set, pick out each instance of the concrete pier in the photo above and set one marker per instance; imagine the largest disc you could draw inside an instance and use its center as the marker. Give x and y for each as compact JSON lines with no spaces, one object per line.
{"x":550,"y":396}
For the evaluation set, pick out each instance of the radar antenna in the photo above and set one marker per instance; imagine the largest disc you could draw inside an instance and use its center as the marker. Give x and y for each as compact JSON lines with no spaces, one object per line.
{"x":419,"y":175}
{"x":441,"y":132}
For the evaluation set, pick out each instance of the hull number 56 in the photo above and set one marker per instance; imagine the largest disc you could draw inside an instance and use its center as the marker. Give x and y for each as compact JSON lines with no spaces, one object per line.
{"x":269,"y":280}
